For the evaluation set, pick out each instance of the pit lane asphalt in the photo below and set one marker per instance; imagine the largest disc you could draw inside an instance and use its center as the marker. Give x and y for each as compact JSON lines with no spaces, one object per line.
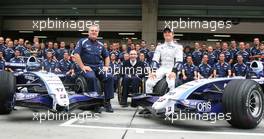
{"x":123,"y":123}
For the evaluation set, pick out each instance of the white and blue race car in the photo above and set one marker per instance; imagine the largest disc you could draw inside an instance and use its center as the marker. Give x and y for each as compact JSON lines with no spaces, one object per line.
{"x":43,"y":90}
{"x":238,"y":99}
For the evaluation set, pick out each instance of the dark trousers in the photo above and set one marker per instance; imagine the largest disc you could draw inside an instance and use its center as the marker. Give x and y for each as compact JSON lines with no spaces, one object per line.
{"x":106,"y":78}
{"x":130,"y":84}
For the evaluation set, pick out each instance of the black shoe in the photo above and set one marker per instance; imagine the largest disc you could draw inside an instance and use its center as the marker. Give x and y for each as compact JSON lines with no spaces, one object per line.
{"x":144,"y":111}
{"x":108,"y":108}
{"x":97,"y":109}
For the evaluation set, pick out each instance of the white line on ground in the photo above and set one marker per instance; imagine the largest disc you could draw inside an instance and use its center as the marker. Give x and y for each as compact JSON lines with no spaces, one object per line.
{"x":142,"y":130}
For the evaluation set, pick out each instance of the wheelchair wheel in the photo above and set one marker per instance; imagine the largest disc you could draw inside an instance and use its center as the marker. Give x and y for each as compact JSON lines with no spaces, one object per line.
{"x":82,"y":85}
{"x":120,"y":91}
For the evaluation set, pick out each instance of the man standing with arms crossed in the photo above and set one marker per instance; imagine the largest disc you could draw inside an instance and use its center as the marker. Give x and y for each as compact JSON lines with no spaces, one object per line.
{"x":94,"y":61}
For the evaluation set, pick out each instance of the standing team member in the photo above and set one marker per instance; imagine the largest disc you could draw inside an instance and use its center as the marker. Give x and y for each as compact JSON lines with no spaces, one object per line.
{"x":197,"y":54}
{"x":9,"y":52}
{"x":212,"y":58}
{"x":167,"y":55}
{"x":222,"y":68}
{"x":94,"y":61}
{"x":228,"y":55}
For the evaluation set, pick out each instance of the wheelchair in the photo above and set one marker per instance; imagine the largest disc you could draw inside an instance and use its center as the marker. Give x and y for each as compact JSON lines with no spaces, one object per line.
{"x":130,"y":94}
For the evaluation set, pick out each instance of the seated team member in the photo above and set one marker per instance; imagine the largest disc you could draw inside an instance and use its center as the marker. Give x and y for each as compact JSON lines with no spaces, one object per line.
{"x":133,"y":74}
{"x":260,"y":55}
{"x":114,"y":69}
{"x":9,"y":52}
{"x":222,"y":68}
{"x":94,"y":60}
{"x":49,"y":64}
{"x":204,"y":69}
{"x":16,"y":59}
{"x":240,"y":68}
{"x":2,"y":61}
{"x":167,"y":54}
{"x":189,"y":71}
{"x":243,"y":52}
{"x":65,"y":65}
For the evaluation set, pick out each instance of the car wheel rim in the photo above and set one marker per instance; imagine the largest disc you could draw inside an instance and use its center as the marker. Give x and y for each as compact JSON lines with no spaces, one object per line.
{"x":255,"y":103}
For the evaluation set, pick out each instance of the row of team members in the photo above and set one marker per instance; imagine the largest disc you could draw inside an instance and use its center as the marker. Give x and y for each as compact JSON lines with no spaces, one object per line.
{"x":220,"y":69}
{"x":245,"y":50}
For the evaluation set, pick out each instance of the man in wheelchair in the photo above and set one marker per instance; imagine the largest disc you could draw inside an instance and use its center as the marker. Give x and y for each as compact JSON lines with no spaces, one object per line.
{"x":132,"y":74}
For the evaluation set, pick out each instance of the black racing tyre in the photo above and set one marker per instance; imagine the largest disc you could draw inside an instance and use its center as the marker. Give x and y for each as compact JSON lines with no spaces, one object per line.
{"x":161,"y":87}
{"x":7,"y":88}
{"x":120,"y":91}
{"x":243,"y":102}
{"x":82,"y":85}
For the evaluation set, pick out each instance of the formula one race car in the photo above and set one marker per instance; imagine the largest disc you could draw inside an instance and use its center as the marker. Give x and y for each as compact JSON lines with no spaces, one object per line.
{"x":238,"y":99}
{"x":35,"y":89}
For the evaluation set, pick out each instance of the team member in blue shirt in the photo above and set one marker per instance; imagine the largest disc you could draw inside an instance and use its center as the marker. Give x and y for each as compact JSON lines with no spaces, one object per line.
{"x":212,"y":58}
{"x":228,"y":55}
{"x":60,"y":52}
{"x":94,"y":60}
{"x":204,"y":69}
{"x":65,"y":65}
{"x":197,"y":54}
{"x":9,"y":52}
{"x":2,"y":61}
{"x":243,"y":52}
{"x":189,"y":71}
{"x":222,"y":68}
{"x":49,"y":64}
{"x":16,"y":59}
{"x":240,"y":68}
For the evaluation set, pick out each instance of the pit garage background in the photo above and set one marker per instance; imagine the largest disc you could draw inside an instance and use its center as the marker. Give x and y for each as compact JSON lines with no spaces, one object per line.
{"x":136,"y":19}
